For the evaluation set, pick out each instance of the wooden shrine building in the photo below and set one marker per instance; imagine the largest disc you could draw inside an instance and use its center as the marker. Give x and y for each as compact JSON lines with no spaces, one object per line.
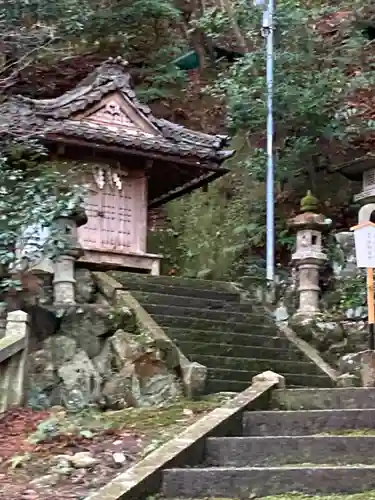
{"x":138,"y":161}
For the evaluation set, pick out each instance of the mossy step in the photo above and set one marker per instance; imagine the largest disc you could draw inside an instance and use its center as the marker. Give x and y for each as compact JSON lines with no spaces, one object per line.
{"x":293,"y":379}
{"x":124,"y":277}
{"x":195,"y":302}
{"x":215,"y":315}
{"x":262,"y":451}
{"x":228,"y":384}
{"x":323,"y":399}
{"x":243,"y":351}
{"x":367,"y":495}
{"x":182,"y":291}
{"x":309,"y":422}
{"x":258,"y":482}
{"x":219,"y":337}
{"x":255,"y":327}
{"x":277,"y":365}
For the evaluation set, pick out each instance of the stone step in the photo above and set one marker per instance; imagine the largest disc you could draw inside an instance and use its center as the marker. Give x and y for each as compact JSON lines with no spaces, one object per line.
{"x":255,"y":327}
{"x":277,"y":365}
{"x":257,"y":482}
{"x":179,"y":291}
{"x":306,"y":422}
{"x":233,"y":350}
{"x":289,"y":450}
{"x":208,"y":314}
{"x":223,"y":381}
{"x":125,"y":278}
{"x":166,"y":299}
{"x":243,"y":339}
{"x":323,"y":399}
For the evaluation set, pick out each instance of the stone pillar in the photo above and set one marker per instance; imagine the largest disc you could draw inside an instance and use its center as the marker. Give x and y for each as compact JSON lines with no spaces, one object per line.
{"x":63,"y":281}
{"x":309,"y":256}
{"x":368,"y":369}
{"x":308,"y":287}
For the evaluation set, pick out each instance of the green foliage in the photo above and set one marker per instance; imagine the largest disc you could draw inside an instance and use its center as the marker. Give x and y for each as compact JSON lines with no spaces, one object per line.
{"x":140,"y":29}
{"x":32,"y":195}
{"x":307,"y":109}
{"x":319,"y":74}
{"x":352,"y":292}
{"x":319,"y":80}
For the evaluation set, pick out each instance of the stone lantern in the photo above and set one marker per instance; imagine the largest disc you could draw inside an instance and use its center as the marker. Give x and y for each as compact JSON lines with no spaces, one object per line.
{"x":366,"y":197}
{"x":309,"y":256}
{"x":64,"y":281}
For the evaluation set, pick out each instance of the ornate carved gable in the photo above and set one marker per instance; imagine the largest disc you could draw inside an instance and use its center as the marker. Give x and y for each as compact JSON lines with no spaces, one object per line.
{"x":116,"y":113}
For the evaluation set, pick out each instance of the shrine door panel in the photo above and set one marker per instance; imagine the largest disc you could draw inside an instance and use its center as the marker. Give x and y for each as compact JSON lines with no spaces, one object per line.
{"x":113,"y":215}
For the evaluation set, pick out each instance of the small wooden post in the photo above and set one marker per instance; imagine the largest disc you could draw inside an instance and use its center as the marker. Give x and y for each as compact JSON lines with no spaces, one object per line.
{"x":370,"y":307}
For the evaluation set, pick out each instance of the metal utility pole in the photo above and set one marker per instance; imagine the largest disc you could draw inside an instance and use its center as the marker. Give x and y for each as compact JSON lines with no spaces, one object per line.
{"x":268,"y":34}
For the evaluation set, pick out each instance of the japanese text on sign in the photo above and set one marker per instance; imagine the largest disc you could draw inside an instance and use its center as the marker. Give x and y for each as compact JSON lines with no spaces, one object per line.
{"x":365,"y":246}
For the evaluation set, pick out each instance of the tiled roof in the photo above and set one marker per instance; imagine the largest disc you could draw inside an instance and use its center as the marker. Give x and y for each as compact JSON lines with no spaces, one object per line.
{"x":50,"y":117}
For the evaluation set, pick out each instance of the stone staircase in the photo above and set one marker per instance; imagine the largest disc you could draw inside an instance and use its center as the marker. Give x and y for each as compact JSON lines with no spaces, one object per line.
{"x":212,"y":326}
{"x":310,"y":441}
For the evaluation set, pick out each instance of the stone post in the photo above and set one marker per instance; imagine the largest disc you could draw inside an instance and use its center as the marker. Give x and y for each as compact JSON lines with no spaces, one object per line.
{"x":309,"y":256}
{"x":308,"y":286}
{"x":13,"y":359}
{"x":63,"y":281}
{"x":3,"y":318}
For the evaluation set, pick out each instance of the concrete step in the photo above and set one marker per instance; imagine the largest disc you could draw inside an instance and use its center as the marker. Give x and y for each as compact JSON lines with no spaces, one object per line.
{"x":306,"y":422}
{"x":277,"y":365}
{"x":256,"y":482}
{"x":182,"y":301}
{"x":323,"y":399}
{"x":245,"y":351}
{"x":289,"y":450}
{"x":241,"y":339}
{"x":207,"y":314}
{"x":179,"y":291}
{"x":196,"y":302}
{"x":126,"y":278}
{"x":224,"y":380}
{"x":252,"y":326}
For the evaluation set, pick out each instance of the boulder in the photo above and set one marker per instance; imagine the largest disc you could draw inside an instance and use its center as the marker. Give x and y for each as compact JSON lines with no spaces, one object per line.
{"x":143,"y":378}
{"x":86,"y":325}
{"x":103,"y":361}
{"x":80,"y":382}
{"x":156,"y":384}
{"x":124,"y":348}
{"x":42,"y":378}
{"x":158,"y":390}
{"x":360,"y":365}
{"x":351,"y":364}
{"x":118,"y":391}
{"x":61,"y":349}
{"x":43,"y":324}
{"x":87,"y":363}
{"x":194,"y":377}
{"x":85,"y":286}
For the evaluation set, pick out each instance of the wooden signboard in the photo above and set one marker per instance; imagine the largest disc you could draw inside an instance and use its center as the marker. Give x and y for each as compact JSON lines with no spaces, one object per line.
{"x":364,"y":239}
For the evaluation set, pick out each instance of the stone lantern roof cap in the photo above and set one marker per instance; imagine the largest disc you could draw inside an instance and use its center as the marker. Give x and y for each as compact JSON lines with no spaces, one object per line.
{"x":309,"y":218}
{"x":309,"y":203}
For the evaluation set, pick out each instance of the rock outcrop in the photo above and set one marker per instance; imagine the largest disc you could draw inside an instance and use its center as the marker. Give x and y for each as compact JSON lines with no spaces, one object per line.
{"x":100,"y":357}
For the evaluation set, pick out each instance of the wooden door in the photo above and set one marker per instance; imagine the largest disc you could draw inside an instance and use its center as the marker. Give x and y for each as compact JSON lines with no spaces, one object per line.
{"x":116,"y":216}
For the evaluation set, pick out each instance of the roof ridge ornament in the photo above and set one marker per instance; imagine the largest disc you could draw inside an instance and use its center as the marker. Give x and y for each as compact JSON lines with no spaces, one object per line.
{"x":120,"y":61}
